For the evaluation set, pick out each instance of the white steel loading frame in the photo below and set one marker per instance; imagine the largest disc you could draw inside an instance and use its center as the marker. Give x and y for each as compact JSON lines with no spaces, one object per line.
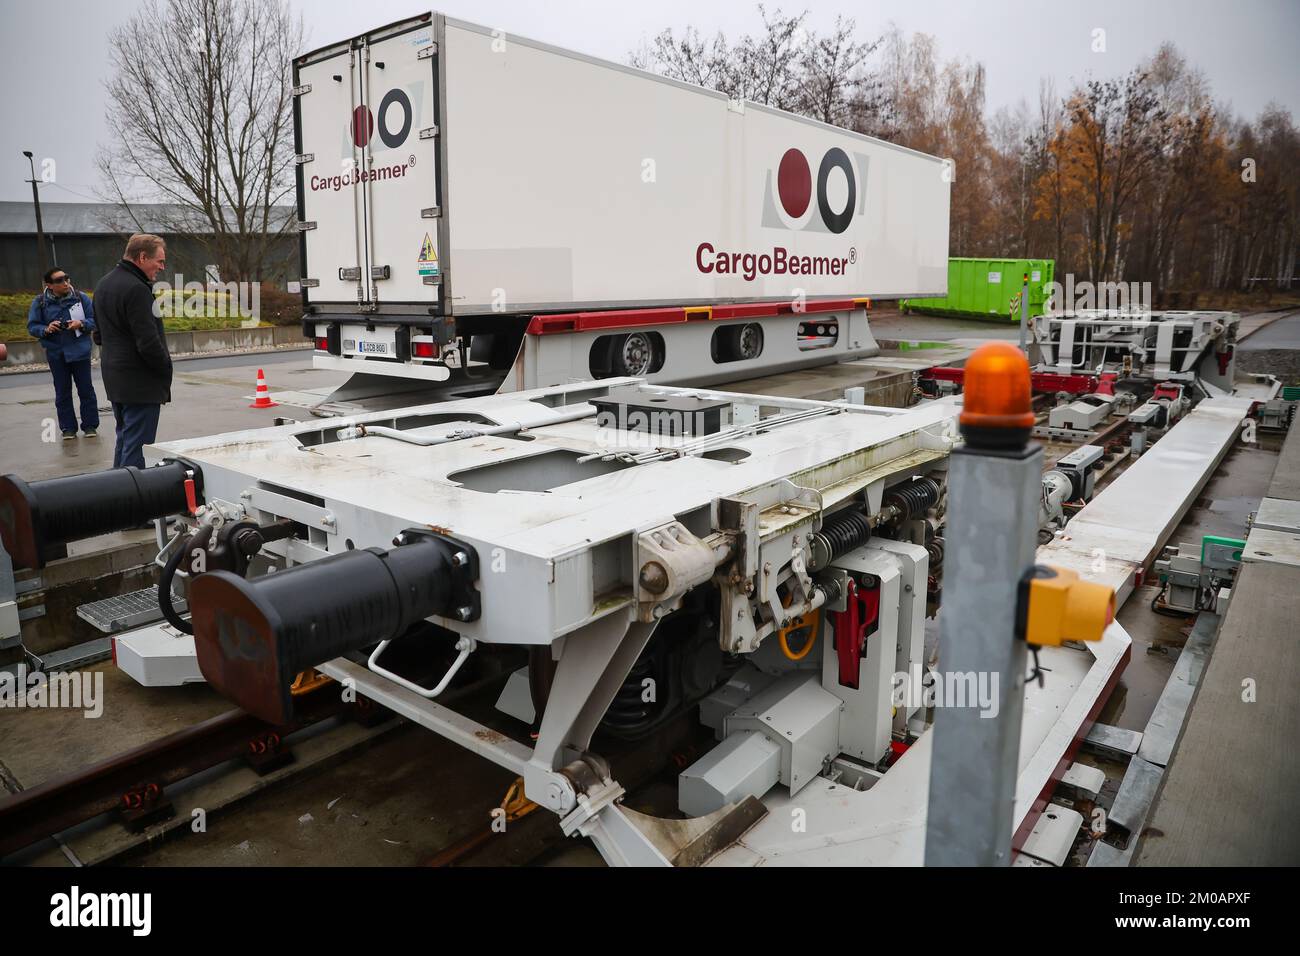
{"x":1109,"y":541}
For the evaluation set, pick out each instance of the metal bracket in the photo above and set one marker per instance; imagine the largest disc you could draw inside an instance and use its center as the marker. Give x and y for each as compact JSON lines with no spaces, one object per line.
{"x":306,"y":226}
{"x":431,"y":212}
{"x":303,"y":158}
{"x":429,"y":133}
{"x":428,"y":51}
{"x":301,"y":90}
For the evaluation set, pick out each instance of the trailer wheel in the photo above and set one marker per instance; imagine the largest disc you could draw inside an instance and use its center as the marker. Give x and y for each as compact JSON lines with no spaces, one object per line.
{"x":736,"y":343}
{"x":634,"y":354}
{"x":749,"y":341}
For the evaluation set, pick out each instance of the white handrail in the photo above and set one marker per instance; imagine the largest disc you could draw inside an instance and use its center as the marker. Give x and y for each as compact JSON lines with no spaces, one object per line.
{"x":465,"y":646}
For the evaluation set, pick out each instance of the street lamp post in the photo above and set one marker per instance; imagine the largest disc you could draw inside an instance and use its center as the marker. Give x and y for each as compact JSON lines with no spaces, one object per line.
{"x":40,"y":227}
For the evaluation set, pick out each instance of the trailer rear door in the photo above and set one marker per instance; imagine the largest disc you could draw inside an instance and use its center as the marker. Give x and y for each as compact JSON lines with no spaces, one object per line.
{"x":327,"y":88}
{"x":400,"y":88}
{"x":367,"y":122}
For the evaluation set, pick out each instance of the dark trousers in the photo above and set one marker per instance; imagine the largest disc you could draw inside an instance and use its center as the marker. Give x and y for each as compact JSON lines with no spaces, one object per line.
{"x":65,"y":373}
{"x":137,"y":426}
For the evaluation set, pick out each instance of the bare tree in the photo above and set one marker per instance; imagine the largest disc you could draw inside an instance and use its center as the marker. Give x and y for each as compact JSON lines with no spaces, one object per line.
{"x":835,"y":81}
{"x":202,"y":103}
{"x":785,"y":65}
{"x":767,"y":65}
{"x":691,"y":59}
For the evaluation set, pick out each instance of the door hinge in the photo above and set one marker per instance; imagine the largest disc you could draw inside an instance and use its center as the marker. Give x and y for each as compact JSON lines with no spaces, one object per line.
{"x":432,"y":212}
{"x":306,"y":226}
{"x":300,"y":90}
{"x":429,"y":133}
{"x":302,"y":158}
{"x":432,"y":280}
{"x":428,"y":51}
{"x":309,"y":283}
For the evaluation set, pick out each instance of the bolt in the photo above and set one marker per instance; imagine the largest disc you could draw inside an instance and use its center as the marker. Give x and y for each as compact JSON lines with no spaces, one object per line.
{"x":464,"y":612}
{"x":460,"y":559}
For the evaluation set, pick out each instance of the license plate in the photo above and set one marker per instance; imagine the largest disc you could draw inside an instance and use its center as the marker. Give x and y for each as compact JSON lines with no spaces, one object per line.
{"x":381,"y":342}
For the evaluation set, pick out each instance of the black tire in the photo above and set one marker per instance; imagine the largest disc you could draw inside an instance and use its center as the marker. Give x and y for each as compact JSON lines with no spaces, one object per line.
{"x":635,"y":354}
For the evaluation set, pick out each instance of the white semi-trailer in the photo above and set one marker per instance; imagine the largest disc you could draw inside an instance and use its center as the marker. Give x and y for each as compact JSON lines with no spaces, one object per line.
{"x":464,"y":192}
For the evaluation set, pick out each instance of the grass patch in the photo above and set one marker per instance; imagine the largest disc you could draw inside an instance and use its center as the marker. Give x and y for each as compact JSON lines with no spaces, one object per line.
{"x":188,"y":316}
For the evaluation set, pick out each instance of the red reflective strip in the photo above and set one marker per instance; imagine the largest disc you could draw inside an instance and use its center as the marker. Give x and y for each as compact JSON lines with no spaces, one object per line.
{"x":749,"y":310}
{"x":596,"y":321}
{"x":833,"y":305}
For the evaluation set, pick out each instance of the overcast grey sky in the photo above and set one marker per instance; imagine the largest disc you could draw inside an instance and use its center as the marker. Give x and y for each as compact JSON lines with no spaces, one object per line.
{"x":53,"y":64}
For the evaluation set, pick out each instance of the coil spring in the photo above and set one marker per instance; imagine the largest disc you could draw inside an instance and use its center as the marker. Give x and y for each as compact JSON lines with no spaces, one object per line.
{"x":913,"y":499}
{"x":844,"y":532}
{"x":628,"y":712}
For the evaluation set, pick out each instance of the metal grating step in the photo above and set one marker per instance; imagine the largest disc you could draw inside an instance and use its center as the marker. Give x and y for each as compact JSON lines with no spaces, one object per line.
{"x":126,"y":610}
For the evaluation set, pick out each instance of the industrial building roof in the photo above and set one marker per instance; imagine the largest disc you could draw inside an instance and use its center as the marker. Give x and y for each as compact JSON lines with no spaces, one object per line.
{"x":108,"y":219}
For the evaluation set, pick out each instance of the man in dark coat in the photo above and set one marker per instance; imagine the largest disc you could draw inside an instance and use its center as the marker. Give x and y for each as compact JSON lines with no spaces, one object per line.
{"x":133,"y":357}
{"x":63,"y":319}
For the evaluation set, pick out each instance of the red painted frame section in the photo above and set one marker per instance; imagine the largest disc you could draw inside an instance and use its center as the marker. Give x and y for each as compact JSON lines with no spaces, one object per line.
{"x":640,"y":318}
{"x":1039,"y":381}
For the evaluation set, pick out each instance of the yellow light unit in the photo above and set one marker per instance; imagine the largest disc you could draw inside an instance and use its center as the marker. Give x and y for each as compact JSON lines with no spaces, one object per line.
{"x":1056,"y":605}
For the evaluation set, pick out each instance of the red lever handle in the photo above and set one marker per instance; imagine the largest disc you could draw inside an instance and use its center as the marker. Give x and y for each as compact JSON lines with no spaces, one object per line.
{"x":851,"y":628}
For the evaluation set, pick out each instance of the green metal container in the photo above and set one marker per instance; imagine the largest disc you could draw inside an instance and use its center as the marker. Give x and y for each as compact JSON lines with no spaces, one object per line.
{"x":985,"y":289}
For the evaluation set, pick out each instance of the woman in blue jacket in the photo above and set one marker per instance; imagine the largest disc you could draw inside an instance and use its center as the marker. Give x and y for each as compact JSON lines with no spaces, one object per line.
{"x":63,"y":319}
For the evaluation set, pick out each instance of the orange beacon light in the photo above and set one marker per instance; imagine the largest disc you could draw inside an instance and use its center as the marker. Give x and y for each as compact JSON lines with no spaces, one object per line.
{"x":997,"y":403}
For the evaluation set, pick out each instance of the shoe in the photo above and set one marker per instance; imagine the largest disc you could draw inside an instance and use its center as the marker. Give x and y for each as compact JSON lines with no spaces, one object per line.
{"x":68,"y":436}
{"x":90,"y":433}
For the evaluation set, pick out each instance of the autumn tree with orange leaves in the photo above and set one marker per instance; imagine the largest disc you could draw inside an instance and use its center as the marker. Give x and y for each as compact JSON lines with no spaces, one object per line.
{"x":1143,"y":178}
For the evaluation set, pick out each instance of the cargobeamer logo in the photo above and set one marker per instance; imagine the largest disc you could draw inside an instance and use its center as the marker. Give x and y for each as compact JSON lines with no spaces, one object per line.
{"x":103,"y":909}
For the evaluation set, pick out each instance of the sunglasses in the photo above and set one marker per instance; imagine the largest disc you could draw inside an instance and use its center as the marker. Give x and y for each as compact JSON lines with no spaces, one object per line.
{"x":57,"y":279}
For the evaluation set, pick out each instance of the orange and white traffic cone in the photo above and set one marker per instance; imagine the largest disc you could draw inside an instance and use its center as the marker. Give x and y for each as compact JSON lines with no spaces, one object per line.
{"x":263,"y":397}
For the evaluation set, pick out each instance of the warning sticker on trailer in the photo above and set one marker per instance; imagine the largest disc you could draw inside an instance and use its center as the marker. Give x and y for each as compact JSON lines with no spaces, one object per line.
{"x":428,"y":262}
